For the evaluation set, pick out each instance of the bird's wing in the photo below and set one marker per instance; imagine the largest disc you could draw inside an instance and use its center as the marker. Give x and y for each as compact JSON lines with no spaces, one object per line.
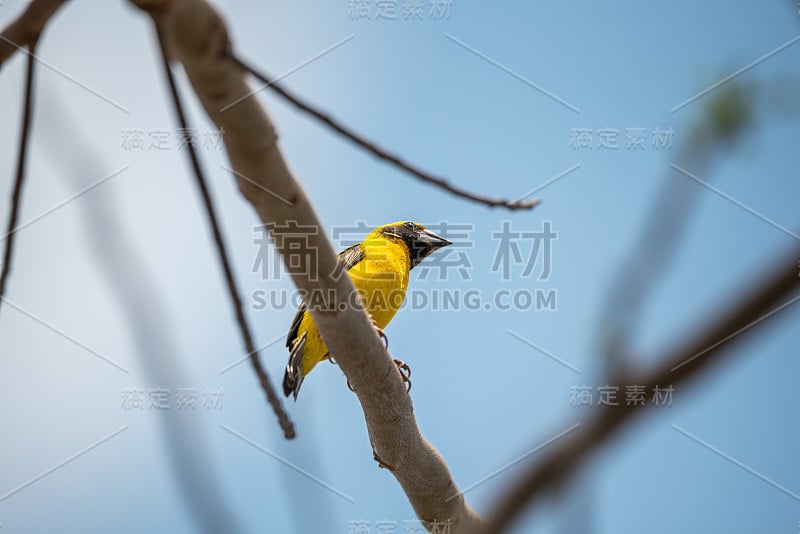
{"x":295,"y":328}
{"x":293,"y":376}
{"x":348,"y":258}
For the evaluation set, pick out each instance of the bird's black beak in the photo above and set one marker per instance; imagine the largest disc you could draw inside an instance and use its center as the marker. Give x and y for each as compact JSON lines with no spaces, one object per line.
{"x":432,"y":240}
{"x":424,"y":244}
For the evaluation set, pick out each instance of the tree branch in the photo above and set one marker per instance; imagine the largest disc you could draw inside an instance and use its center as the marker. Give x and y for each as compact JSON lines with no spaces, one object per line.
{"x":124,"y":272}
{"x":377,"y":151}
{"x":23,"y":32}
{"x":26,"y":28}
{"x":727,"y":116}
{"x":16,"y":195}
{"x":196,"y":35}
{"x":233,"y":291}
{"x":680,"y":365}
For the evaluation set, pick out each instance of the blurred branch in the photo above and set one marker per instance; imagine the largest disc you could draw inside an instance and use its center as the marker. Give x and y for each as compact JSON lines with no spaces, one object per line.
{"x":727,"y":117}
{"x":16,"y":195}
{"x":685,"y":362}
{"x":196,"y":35}
{"x":252,"y":352}
{"x":25,"y":29}
{"x":377,"y":151}
{"x":129,"y":281}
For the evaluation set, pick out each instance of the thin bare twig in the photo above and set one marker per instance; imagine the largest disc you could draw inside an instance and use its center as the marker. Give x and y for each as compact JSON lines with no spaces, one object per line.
{"x":680,"y":365}
{"x":272,"y":398}
{"x":382,"y":153}
{"x":16,"y":195}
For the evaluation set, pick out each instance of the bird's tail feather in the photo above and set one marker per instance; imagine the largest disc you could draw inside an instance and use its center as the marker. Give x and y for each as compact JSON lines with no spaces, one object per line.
{"x":293,"y":377}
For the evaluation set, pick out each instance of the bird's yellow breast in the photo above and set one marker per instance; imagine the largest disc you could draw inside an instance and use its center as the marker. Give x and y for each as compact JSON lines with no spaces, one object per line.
{"x":381,"y":278}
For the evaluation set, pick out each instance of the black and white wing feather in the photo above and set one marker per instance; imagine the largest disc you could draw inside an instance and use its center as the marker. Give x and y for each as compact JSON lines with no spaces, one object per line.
{"x":293,"y":377}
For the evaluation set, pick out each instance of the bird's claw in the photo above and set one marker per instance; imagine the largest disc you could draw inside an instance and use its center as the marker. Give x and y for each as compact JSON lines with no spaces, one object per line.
{"x":405,"y":372}
{"x":380,"y":332}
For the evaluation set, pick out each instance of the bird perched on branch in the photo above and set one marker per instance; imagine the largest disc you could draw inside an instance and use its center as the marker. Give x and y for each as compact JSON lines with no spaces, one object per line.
{"x":379,"y":267}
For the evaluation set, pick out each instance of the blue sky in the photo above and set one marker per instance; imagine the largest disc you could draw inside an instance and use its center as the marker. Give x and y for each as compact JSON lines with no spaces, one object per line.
{"x":488,"y":96}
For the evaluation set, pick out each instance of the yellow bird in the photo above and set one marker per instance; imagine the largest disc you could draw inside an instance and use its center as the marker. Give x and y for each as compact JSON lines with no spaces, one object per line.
{"x":379,"y":267}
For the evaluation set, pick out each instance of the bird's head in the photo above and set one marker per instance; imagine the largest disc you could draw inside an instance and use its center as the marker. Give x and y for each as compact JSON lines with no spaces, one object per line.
{"x":420,"y":241}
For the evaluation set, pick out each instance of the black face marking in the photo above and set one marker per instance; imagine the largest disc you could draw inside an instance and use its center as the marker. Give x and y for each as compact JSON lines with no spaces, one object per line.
{"x":419,"y":251}
{"x":410,"y":232}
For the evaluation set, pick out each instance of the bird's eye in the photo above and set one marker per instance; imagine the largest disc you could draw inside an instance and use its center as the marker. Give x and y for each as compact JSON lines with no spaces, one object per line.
{"x":409,"y":225}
